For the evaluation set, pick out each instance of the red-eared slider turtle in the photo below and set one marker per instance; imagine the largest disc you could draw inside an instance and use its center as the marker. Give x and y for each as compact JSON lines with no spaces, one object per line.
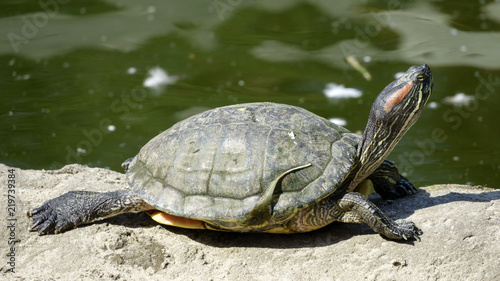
{"x":262,"y":167}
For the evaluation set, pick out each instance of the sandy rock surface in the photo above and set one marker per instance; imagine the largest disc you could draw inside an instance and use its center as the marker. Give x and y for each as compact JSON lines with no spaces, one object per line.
{"x":461,"y":240}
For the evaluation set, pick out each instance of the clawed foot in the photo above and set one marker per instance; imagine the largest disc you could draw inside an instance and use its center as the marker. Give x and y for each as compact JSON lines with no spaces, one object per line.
{"x":403,"y":229}
{"x":404,"y":187}
{"x":54,"y":216}
{"x":45,"y":220}
{"x":389,"y":183}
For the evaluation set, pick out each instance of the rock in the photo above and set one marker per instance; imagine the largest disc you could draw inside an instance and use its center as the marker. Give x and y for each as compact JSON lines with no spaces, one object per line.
{"x":461,"y":240}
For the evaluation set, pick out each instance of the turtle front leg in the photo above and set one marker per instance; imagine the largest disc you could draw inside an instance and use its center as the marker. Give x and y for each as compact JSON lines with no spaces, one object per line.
{"x":352,"y":207}
{"x":80,"y":207}
{"x":356,"y":208}
{"x":389,"y":183}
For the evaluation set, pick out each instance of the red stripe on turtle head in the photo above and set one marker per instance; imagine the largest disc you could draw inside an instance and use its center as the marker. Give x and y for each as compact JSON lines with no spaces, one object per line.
{"x":397,"y":97}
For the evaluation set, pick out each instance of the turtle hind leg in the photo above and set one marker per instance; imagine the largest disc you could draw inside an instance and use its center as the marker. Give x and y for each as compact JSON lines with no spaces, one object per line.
{"x":389,"y":183}
{"x":356,"y":208}
{"x":80,"y":207}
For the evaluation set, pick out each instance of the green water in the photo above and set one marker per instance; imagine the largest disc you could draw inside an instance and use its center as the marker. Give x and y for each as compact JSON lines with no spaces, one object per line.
{"x":73,"y":74}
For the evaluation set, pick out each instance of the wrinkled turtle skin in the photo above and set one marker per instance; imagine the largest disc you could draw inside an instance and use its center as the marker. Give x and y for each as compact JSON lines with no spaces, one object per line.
{"x":216,"y":165}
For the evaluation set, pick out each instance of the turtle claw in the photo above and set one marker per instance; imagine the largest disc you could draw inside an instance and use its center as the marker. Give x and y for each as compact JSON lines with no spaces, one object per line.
{"x":404,"y":187}
{"x":43,"y":220}
{"x":389,"y":183}
{"x":406,"y":230}
{"x":50,"y":217}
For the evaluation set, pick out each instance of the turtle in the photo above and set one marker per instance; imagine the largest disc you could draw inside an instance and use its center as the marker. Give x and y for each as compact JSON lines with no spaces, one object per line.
{"x":262,"y":167}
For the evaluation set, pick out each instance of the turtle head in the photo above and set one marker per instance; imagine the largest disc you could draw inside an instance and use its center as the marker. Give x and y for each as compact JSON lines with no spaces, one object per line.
{"x":394,"y":111}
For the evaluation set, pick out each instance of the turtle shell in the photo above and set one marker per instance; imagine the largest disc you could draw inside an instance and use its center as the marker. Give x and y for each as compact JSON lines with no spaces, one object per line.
{"x":215,"y":166}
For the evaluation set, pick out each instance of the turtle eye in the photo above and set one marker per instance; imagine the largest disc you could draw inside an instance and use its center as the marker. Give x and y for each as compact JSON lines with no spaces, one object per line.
{"x":421,"y":77}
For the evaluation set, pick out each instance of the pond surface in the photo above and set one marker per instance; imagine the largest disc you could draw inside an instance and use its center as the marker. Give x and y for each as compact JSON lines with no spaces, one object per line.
{"x":91,"y":82}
